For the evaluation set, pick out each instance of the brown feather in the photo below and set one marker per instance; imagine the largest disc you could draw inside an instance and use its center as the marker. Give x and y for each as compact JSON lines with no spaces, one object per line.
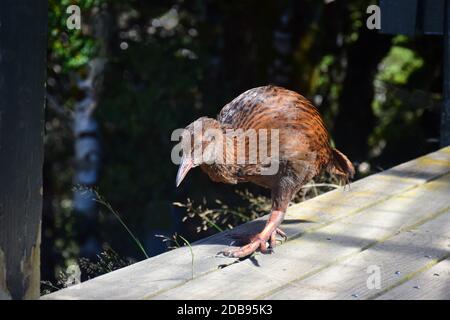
{"x":303,"y":142}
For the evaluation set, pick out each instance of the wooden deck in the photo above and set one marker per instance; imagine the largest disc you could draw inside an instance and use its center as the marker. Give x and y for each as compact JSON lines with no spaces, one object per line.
{"x":386,"y":238}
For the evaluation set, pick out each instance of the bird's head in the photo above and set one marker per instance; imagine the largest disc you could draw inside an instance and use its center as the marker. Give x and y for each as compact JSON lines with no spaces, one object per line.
{"x":199,"y":142}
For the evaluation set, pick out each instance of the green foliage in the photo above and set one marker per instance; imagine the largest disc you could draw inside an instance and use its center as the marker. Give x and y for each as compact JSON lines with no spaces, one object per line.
{"x":108,"y":206}
{"x":398,"y":108}
{"x":223,"y":216}
{"x":107,"y":261}
{"x":399,"y":64}
{"x":171,"y":62}
{"x":71,"y":48}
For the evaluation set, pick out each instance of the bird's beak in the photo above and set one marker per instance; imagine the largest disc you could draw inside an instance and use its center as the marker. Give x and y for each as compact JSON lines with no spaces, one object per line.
{"x":185,"y":165}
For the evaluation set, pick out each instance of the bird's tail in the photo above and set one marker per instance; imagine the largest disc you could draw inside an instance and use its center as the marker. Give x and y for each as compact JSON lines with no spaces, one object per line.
{"x":340,"y":165}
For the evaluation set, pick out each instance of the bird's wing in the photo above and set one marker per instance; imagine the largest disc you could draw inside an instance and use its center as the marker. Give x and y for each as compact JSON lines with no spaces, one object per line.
{"x":301,"y":129}
{"x":271,"y":107}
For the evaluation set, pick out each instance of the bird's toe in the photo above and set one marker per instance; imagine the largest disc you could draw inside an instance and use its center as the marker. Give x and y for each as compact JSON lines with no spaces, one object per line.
{"x":281,"y":233}
{"x":244,"y":251}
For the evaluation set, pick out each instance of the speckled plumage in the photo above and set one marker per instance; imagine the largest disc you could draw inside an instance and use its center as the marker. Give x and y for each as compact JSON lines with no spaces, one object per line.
{"x":304,"y":149}
{"x":304,"y":140}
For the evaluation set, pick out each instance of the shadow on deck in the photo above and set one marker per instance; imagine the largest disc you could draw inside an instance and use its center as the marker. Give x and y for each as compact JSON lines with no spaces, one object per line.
{"x":386,"y":238}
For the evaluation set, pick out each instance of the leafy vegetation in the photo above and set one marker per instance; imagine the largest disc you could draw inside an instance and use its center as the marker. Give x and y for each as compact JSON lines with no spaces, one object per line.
{"x":170,"y":62}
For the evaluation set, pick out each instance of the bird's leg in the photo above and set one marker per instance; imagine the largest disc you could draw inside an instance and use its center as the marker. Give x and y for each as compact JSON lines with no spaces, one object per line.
{"x":260,"y":240}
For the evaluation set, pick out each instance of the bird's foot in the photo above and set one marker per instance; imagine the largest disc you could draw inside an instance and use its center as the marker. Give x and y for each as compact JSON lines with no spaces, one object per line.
{"x":264,"y":243}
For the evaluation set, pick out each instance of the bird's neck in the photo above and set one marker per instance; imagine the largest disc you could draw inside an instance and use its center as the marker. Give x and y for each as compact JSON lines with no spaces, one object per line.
{"x":224,"y":168}
{"x":221,"y":172}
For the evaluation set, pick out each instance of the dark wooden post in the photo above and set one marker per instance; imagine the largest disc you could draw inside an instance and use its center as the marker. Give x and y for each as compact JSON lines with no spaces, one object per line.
{"x":23,"y":43}
{"x":445,"y":118}
{"x":412,"y":17}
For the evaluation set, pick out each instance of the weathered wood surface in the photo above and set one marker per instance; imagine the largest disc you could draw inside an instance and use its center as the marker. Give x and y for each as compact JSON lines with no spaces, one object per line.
{"x":23,"y":45}
{"x":397,"y":221}
{"x":431,"y":284}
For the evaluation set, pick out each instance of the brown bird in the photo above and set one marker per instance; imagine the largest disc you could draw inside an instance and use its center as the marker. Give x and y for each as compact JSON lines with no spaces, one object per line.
{"x":301,"y":151}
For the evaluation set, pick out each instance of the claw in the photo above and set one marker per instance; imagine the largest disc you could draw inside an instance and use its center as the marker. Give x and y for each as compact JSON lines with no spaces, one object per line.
{"x":273,"y":240}
{"x":281,"y":233}
{"x":256,"y":242}
{"x":242,"y":251}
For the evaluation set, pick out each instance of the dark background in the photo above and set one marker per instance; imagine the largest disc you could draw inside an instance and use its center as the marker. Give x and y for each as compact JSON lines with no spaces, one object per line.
{"x":170,"y":62}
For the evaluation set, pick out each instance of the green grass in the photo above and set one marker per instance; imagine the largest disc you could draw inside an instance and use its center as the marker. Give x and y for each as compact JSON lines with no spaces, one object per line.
{"x":107,"y":205}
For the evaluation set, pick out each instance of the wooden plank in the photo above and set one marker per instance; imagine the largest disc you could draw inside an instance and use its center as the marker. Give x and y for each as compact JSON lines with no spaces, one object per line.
{"x":302,"y":257}
{"x":153,"y":276}
{"x":432,"y":284}
{"x":396,"y":259}
{"x":23,"y":44}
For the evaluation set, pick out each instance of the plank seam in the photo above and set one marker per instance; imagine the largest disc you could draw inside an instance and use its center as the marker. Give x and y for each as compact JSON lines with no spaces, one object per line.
{"x":298,"y":236}
{"x":409,"y":276}
{"x":368,"y":246}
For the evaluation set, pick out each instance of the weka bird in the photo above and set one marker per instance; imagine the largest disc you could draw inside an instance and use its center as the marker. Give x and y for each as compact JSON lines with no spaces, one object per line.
{"x":304,"y":152}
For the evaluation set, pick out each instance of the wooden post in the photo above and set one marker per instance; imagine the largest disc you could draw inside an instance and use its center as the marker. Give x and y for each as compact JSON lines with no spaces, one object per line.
{"x":23,"y":43}
{"x":445,"y":116}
